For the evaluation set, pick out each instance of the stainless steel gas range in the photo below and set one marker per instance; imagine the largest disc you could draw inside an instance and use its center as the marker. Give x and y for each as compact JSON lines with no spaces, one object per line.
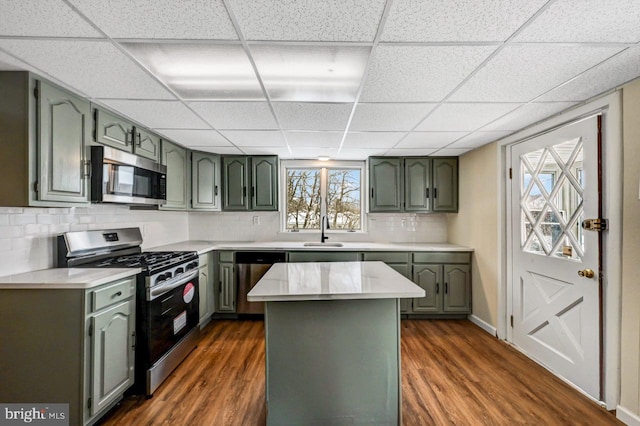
{"x":166,"y":297}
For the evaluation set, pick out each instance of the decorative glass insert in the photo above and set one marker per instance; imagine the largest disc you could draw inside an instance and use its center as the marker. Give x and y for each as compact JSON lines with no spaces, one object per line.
{"x":551,"y":200}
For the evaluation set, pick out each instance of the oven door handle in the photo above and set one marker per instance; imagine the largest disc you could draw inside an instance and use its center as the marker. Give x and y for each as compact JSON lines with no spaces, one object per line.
{"x":158,"y":291}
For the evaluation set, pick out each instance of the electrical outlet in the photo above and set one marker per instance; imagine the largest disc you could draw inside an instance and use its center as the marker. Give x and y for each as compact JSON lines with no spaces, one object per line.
{"x":404,"y":223}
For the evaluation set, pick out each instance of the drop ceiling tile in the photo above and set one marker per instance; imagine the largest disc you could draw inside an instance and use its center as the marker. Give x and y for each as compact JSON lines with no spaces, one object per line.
{"x":255,"y":138}
{"x":47,"y":18}
{"x":315,"y":140}
{"x":372,"y":140}
{"x":311,"y":73}
{"x":419,"y":73}
{"x":95,"y":68}
{"x":194,"y":19}
{"x":236,"y":115}
{"x":614,"y":72}
{"x":586,"y":21}
{"x":355,"y":20}
{"x":358,"y":154}
{"x":207,"y":71}
{"x":519,"y":73}
{"x":158,"y":114}
{"x":312,"y":116}
{"x":224,"y":150}
{"x":477,"y":139}
{"x":387,"y":116}
{"x":456,"y":20}
{"x":416,"y":152}
{"x":526,"y":115}
{"x":193,"y":137}
{"x":451,"y":152}
{"x":429,"y":139}
{"x":9,"y":63}
{"x":267,"y":150}
{"x":464,"y":117}
{"x":301,"y":153}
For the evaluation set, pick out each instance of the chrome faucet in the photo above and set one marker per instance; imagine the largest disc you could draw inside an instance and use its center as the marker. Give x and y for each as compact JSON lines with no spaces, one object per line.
{"x":324,"y":220}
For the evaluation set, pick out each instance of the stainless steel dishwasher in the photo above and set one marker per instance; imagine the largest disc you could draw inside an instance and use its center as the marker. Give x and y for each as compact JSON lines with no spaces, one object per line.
{"x":252,"y":265}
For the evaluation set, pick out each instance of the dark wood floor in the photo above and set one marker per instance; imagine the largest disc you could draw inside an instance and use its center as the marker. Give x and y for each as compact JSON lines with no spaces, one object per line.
{"x":453,"y":373}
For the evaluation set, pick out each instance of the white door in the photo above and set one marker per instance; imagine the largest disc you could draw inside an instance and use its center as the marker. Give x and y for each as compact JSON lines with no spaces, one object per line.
{"x":555,"y":302}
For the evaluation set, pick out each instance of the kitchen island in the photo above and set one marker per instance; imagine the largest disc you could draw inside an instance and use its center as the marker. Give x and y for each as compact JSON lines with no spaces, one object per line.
{"x":333,"y":342}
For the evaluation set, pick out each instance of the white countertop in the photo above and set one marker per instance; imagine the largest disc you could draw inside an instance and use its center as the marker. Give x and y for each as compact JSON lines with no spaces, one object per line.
{"x":205,"y":246}
{"x":65,"y":278}
{"x":332,"y":281}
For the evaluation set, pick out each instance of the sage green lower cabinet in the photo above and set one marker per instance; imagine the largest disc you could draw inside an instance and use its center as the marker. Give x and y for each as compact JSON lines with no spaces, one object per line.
{"x":324,"y":256}
{"x":429,"y":278}
{"x":175,"y":158}
{"x":457,"y":288}
{"x":227,"y":288}
{"x":72,"y":346}
{"x":400,"y":262}
{"x":206,"y":288}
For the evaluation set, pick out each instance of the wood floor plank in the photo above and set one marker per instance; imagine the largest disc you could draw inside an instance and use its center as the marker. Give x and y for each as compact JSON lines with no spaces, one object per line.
{"x":453,"y":373}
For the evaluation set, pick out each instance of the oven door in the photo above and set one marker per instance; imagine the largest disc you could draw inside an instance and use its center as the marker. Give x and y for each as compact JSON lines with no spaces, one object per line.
{"x":173,"y":312}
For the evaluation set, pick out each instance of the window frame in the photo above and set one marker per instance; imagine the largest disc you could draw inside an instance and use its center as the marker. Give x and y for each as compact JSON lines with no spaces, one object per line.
{"x":324,"y":166}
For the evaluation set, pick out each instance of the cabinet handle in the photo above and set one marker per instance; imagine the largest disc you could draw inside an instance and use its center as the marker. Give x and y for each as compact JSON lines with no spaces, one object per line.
{"x":435,"y":192}
{"x":118,"y":294}
{"x":253,"y":191}
{"x":446,"y":288}
{"x":426,"y":193}
{"x":215,"y":190}
{"x":87,"y":169}
{"x":244,"y":191}
{"x":371,"y":192}
{"x":437,"y":288}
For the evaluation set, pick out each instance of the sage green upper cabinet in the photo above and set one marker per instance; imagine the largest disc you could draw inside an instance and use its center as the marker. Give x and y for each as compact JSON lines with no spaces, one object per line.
{"x":175,"y":158}
{"x":205,"y":181}
{"x":445,"y":184}
{"x":264,"y":183}
{"x":120,"y":133}
{"x":385,"y":184}
{"x":147,"y":145}
{"x":250,"y":183}
{"x":44,"y":137}
{"x":417,"y":183}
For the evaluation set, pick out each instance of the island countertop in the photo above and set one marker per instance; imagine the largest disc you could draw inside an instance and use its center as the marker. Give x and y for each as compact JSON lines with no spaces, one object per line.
{"x":332,"y":281}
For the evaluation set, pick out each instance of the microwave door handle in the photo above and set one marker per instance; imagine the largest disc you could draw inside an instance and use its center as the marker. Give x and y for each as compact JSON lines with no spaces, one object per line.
{"x":158,"y":291}
{"x":111,"y":184}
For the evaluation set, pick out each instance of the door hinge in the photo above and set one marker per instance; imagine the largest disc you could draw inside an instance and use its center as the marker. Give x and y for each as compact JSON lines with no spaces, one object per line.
{"x":89,"y":402}
{"x":35,"y":186}
{"x":511,"y":320}
{"x":36,"y":92}
{"x":90,"y":329}
{"x":597,"y":225}
{"x":510,"y":173}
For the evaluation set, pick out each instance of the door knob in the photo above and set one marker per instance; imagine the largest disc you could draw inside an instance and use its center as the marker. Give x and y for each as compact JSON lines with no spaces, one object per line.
{"x":586,"y":273}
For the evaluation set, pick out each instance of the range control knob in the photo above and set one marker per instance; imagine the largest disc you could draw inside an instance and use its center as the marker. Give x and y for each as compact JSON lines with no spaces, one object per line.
{"x":192,"y":265}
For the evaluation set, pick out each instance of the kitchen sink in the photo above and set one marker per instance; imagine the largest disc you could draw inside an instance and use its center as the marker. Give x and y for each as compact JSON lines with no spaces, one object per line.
{"x":323,"y":244}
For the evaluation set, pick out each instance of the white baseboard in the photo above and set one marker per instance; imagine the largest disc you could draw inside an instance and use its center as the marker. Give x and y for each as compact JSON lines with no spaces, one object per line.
{"x":627,"y":417}
{"x":483,"y":325}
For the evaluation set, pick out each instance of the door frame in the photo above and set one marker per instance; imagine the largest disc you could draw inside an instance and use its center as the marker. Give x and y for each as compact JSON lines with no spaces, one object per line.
{"x":611,"y":109}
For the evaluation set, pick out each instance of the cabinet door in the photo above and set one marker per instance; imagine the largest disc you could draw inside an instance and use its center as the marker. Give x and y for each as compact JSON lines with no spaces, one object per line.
{"x":147,"y":145}
{"x":235,"y":182}
{"x":113,"y":354}
{"x":227,"y":299}
{"x":204,"y":294}
{"x":264,"y":183}
{"x":403,"y":268}
{"x":457,"y":288}
{"x":113,"y":131}
{"x":63,"y":133}
{"x":175,"y":158}
{"x":385,"y":186}
{"x":429,"y":277}
{"x":445,"y":185}
{"x":205,"y":181}
{"x":417,"y":182}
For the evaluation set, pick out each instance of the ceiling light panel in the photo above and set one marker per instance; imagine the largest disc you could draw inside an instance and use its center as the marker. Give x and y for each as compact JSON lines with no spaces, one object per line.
{"x":464,"y":117}
{"x":456,"y":20}
{"x":386,"y":116}
{"x":586,"y":21}
{"x":201,"y":70}
{"x":616,"y":71}
{"x":334,"y":20}
{"x":526,"y":115}
{"x":158,"y":114}
{"x":478,"y":139}
{"x":193,"y":137}
{"x":194,"y":19}
{"x":255,"y":138}
{"x":519,"y":73}
{"x":35,"y":18}
{"x":96,"y":68}
{"x":430,"y":139}
{"x":372,"y":140}
{"x":311,"y":116}
{"x":309,"y":73}
{"x":315,"y":140}
{"x":419,"y":73}
{"x":236,"y":115}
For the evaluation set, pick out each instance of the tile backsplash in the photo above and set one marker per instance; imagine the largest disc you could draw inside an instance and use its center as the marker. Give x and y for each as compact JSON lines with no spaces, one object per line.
{"x":27,"y":235}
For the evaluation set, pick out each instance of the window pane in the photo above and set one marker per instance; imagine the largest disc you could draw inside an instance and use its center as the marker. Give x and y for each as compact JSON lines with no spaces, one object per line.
{"x":303,"y":198}
{"x":343,"y":198}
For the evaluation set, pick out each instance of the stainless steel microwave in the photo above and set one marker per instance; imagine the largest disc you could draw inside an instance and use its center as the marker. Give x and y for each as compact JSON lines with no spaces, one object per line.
{"x":120,"y":177}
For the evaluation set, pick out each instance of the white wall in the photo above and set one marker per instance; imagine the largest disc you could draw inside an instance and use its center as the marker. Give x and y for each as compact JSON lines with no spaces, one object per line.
{"x":27,"y":235}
